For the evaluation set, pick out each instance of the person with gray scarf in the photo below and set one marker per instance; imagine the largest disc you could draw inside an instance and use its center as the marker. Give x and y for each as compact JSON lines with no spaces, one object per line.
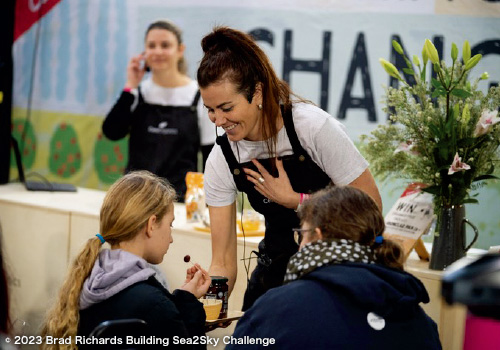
{"x":345,"y":288}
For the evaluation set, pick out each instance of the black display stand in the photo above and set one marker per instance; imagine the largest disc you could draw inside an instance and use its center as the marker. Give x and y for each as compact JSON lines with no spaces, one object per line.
{"x":6,"y":40}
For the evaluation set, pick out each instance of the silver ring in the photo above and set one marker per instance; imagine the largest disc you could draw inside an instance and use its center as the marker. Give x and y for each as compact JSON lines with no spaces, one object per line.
{"x":261,"y":180}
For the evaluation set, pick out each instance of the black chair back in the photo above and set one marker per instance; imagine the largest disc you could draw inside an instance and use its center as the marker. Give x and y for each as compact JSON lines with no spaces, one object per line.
{"x":119,"y":333}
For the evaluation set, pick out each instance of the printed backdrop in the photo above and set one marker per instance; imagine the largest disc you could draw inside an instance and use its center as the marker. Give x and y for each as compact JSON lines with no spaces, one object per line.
{"x":70,"y":59}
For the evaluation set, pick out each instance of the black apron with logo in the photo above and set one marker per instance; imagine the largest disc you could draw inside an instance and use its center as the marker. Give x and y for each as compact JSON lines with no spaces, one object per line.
{"x":278,"y":245}
{"x":165,"y":140}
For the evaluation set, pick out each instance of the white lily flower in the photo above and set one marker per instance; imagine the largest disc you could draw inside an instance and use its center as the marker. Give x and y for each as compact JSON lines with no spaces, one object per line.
{"x":407,"y":147}
{"x":457,"y":165}
{"x":487,"y":120}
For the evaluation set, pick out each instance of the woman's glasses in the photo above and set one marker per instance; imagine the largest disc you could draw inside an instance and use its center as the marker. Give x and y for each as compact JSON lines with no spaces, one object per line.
{"x":298,"y":234}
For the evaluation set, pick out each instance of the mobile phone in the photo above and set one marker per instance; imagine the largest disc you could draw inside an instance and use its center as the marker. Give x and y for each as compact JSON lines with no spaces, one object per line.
{"x":144,"y":64}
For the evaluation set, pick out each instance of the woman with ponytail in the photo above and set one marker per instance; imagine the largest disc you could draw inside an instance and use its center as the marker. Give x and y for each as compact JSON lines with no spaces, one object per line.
{"x":118,"y":283}
{"x":160,"y":108}
{"x":277,"y":148}
{"x":346,"y":287}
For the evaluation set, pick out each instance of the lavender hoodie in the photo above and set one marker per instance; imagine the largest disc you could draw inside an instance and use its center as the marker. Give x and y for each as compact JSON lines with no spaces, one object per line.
{"x":113,"y":271}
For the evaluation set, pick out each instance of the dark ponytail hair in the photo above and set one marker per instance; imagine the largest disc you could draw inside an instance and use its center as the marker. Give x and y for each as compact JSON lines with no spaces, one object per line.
{"x":349,"y":213}
{"x":390,"y":253}
{"x":234,"y":55}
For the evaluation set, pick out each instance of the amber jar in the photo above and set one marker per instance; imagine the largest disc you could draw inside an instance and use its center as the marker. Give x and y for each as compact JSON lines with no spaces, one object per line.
{"x":219,"y":290}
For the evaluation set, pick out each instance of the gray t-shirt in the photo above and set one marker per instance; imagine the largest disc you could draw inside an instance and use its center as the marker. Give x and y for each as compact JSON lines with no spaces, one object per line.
{"x":322,"y":136}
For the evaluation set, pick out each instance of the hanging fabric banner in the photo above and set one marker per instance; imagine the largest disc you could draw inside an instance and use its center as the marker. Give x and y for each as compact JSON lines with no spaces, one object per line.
{"x":30,"y":11}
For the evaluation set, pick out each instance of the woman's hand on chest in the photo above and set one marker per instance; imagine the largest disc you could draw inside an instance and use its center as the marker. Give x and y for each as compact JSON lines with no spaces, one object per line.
{"x":278,"y":189}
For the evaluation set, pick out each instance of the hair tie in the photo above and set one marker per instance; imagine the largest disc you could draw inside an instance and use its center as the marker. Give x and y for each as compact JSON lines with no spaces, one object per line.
{"x":379,"y":239}
{"x":101,"y":238}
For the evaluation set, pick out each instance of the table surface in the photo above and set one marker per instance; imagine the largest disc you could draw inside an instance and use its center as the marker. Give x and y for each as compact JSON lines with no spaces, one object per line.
{"x":84,"y":201}
{"x":88,"y":202}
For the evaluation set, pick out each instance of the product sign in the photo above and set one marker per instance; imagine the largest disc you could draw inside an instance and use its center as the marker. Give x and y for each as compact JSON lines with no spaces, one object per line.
{"x":410,"y":217}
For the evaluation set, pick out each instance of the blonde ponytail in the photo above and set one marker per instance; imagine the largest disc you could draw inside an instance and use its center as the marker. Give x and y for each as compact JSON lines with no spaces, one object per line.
{"x":62,"y":320}
{"x":126,"y":208}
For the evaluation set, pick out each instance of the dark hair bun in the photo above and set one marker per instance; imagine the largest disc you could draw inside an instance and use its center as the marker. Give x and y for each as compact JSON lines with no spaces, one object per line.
{"x":220,"y":39}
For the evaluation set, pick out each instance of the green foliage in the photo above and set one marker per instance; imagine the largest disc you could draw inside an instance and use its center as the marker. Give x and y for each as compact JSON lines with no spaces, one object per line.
{"x":435,"y":123}
{"x":65,"y":154}
{"x":110,"y":158}
{"x":29,"y":146}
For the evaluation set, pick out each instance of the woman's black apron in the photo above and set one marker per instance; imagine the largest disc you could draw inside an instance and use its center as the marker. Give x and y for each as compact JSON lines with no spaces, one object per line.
{"x":278,"y":244}
{"x":165,"y":140}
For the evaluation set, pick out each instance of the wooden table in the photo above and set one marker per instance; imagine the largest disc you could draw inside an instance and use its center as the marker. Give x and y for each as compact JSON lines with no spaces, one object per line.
{"x":450,"y":319}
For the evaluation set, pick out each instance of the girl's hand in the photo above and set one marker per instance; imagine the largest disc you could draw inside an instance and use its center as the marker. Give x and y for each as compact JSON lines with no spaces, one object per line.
{"x":211,"y":327}
{"x":278,"y":189}
{"x":197,"y":281}
{"x":135,"y":71}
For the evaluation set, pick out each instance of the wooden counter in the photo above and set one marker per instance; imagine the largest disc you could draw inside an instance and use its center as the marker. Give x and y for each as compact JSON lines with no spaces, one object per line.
{"x":43,"y":232}
{"x":450,"y":319}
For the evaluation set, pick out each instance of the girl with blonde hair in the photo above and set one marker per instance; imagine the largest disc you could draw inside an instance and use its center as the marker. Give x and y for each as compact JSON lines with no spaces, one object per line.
{"x":118,"y":283}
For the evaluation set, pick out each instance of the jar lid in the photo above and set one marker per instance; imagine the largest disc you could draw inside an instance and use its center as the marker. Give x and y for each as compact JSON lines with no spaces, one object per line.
{"x":219,"y":279}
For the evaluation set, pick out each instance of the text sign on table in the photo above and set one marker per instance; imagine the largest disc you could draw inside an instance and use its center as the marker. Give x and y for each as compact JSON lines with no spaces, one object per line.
{"x":410,"y":217}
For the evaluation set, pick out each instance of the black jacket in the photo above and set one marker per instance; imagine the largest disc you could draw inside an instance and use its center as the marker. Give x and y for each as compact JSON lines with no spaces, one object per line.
{"x":167,"y":315}
{"x":330,"y":308}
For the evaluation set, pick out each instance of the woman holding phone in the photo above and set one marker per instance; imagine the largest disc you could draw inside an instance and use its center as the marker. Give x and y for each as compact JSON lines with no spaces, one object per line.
{"x":163,"y":113}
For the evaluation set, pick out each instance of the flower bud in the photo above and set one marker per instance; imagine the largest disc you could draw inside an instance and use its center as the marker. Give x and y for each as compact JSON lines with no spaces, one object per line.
{"x":473,"y":61}
{"x":397,"y":47}
{"x":425,"y":57}
{"x":466,"y":114}
{"x":431,"y":51}
{"x":485,"y":76}
{"x":454,"y":52}
{"x":456,"y":110}
{"x":390,"y":68}
{"x":466,"y":52}
{"x":416,"y":61}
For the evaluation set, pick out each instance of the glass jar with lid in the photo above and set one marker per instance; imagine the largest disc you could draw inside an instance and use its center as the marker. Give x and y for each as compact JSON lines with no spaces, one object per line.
{"x":219,"y":290}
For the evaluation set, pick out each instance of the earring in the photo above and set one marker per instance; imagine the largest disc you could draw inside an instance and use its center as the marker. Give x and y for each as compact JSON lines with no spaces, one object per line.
{"x":259,"y":107}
